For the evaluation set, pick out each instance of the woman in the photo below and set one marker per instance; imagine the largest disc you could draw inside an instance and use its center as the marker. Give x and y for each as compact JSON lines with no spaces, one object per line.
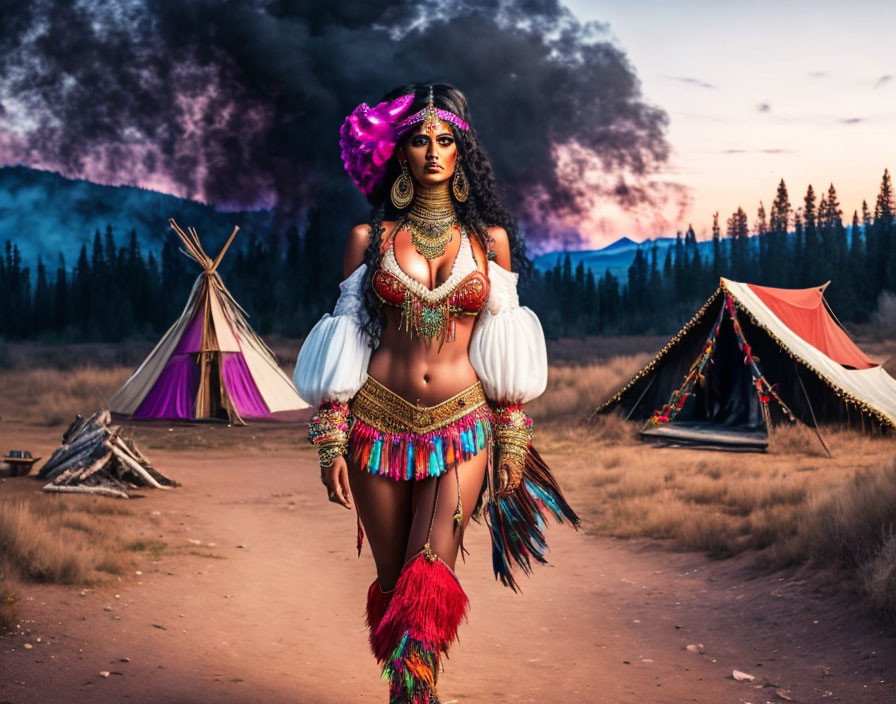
{"x":420,"y":376}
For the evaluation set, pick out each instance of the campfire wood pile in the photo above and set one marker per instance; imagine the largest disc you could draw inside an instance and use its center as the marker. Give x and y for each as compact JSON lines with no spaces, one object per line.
{"x":96,"y":459}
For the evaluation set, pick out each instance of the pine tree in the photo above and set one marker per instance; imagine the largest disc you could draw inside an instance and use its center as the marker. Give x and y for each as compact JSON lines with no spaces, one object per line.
{"x":738,"y":239}
{"x":716,"y":247}
{"x":780,"y":213}
{"x":856,"y":239}
{"x":61,"y":308}
{"x":297,"y":293}
{"x":567,"y":307}
{"x":637,"y":281}
{"x":761,"y":224}
{"x":761,"y":232}
{"x":5,"y":308}
{"x":97,"y":263}
{"x":884,"y":236}
{"x":793,"y":277}
{"x":610,"y":302}
{"x":809,"y":209}
{"x":811,"y":241}
{"x":869,"y":263}
{"x":678,"y":268}
{"x":835,"y":236}
{"x":154,"y":286}
{"x":41,"y":314}
{"x":696,"y":274}
{"x":854,"y":268}
{"x":109,"y":247}
{"x":590,"y":304}
{"x":83,"y":292}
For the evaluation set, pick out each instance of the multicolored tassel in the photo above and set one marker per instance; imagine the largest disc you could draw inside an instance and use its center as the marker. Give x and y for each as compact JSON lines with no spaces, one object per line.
{"x":410,"y":455}
{"x":411,"y":670}
{"x":516,"y":522}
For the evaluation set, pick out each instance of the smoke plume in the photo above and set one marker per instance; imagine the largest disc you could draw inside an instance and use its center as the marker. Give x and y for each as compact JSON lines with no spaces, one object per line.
{"x":238,"y":104}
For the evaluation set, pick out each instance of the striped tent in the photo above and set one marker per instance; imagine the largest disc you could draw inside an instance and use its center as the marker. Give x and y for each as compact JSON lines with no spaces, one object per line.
{"x":753,"y":356}
{"x":210,"y":363}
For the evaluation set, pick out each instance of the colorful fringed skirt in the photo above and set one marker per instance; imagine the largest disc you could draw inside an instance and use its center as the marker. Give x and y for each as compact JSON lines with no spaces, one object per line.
{"x":396,"y":438}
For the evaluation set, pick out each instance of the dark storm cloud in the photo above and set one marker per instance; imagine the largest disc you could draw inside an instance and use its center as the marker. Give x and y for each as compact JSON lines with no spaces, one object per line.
{"x":239,"y":103}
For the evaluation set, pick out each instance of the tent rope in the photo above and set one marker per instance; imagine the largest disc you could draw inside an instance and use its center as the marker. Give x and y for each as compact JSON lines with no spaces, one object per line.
{"x":796,"y":370}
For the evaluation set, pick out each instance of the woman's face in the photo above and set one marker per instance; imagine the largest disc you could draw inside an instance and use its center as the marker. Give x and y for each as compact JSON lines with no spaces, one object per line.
{"x":431,"y":154}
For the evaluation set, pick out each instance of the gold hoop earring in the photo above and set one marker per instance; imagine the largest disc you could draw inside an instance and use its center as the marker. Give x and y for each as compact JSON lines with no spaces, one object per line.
{"x":460,"y":185}
{"x":403,"y":188}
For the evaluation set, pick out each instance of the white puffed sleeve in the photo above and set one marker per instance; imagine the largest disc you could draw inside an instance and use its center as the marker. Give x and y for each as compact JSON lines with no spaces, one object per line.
{"x":332,"y":364}
{"x":507,"y":348}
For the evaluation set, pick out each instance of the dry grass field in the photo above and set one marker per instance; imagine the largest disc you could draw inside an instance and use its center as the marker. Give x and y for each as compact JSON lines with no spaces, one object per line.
{"x":792,"y":505}
{"x":59,"y":540}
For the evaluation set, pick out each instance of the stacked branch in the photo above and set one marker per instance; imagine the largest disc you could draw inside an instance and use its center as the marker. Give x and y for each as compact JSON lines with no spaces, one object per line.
{"x":96,"y":459}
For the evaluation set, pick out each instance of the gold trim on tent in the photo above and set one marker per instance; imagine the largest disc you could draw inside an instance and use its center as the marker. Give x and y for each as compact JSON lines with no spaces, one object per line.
{"x":659,"y":356}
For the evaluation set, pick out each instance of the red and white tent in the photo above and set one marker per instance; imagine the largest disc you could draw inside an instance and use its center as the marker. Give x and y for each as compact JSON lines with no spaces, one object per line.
{"x":754,"y":355}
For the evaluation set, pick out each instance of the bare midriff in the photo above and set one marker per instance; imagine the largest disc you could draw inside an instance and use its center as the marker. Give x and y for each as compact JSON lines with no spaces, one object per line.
{"x":420,"y":372}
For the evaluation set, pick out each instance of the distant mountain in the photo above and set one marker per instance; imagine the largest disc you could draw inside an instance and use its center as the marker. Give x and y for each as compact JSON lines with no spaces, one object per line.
{"x":617,"y":257}
{"x":45,"y":213}
{"x":621,"y":243}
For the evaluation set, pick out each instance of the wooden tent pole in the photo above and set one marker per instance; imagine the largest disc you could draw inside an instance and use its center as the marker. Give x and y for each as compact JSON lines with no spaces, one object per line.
{"x":203,"y":403}
{"x":224,"y":248}
{"x":192,"y":231}
{"x":192,"y":250}
{"x":796,"y":370}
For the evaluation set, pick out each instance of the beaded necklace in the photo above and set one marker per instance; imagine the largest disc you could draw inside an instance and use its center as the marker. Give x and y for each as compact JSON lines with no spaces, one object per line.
{"x":431,"y":220}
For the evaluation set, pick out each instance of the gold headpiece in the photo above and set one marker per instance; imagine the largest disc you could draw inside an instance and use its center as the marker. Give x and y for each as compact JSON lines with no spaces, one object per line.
{"x":430,"y":116}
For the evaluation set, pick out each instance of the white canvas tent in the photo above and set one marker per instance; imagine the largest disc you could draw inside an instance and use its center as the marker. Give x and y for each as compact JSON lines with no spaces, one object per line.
{"x":210,"y":363}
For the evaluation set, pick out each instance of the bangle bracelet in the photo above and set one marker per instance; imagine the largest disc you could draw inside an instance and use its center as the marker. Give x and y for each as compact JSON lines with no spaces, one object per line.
{"x":329,"y":431}
{"x":328,"y":453}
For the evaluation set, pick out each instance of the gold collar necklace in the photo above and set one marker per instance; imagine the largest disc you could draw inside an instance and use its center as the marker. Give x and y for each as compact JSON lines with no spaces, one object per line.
{"x":431,"y":219}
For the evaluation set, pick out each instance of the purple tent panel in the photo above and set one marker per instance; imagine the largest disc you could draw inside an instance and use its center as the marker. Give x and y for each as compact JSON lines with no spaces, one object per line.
{"x":191,"y":338}
{"x":174,"y":393}
{"x":241,"y":387}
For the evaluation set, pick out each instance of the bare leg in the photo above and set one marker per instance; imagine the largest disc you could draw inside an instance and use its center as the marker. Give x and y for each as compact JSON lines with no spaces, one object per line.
{"x":428,"y":602}
{"x":445,"y":538}
{"x":384,"y":506}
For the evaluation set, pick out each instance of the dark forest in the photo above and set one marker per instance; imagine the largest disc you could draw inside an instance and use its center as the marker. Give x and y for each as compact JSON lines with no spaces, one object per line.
{"x":116,"y":291}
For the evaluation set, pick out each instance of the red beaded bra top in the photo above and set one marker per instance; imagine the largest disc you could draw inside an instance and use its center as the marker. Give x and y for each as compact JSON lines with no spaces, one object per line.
{"x":430,"y":312}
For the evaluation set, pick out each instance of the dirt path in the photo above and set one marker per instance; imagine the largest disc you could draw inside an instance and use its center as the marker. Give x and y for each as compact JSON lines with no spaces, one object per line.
{"x":264,"y":606}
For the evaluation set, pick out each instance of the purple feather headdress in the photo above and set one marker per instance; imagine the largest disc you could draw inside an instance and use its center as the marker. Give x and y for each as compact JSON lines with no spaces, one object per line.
{"x":369,"y":135}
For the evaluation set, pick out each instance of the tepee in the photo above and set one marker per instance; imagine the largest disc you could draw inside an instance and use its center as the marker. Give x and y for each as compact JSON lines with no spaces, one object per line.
{"x":210,"y":363}
{"x":752,"y":356}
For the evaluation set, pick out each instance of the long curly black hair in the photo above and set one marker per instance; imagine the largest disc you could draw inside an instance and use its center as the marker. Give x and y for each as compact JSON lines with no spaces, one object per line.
{"x":482,"y":209}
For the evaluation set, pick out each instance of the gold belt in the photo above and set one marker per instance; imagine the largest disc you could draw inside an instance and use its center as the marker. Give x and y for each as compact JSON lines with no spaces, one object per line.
{"x":385,"y":410}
